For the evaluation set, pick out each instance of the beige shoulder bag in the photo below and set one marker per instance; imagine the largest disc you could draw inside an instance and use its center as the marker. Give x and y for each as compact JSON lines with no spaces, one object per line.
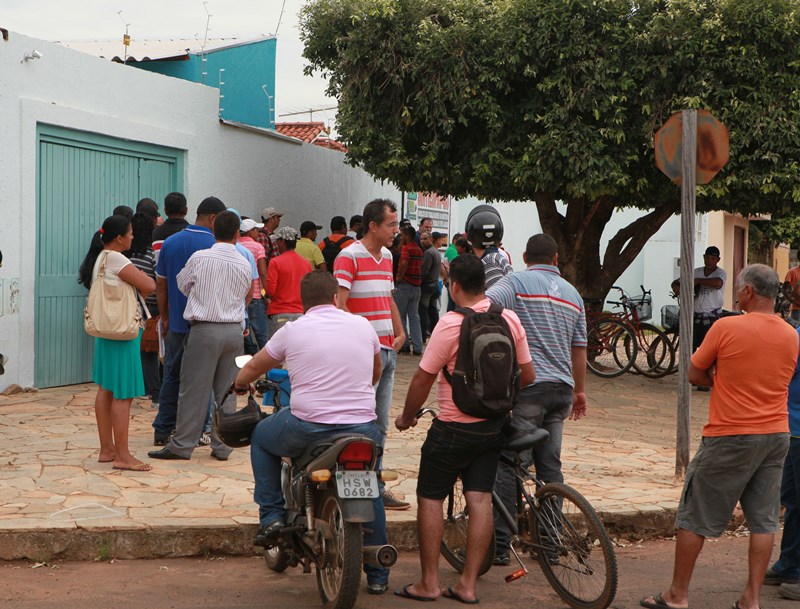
{"x":112,"y":311}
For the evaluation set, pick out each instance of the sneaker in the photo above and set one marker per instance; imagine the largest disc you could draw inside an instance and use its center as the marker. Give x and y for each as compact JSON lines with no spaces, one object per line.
{"x":390,"y":502}
{"x":790,"y":591}
{"x":775,"y":578}
{"x":205,"y":440}
{"x":378,"y":588}
{"x":160,"y":440}
{"x":501,"y":559}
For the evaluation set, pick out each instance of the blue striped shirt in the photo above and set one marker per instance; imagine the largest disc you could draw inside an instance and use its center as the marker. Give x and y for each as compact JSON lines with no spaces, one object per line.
{"x":552,"y":313}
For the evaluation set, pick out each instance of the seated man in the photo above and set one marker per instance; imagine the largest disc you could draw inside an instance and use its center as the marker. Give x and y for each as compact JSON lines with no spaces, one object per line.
{"x":457,"y":445}
{"x":331,"y":395}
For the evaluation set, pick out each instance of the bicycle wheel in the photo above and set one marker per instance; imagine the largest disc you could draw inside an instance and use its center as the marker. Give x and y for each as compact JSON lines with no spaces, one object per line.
{"x":454,"y":541}
{"x":578,"y":559}
{"x":655,"y":355}
{"x":606,"y":355}
{"x":674,"y":341}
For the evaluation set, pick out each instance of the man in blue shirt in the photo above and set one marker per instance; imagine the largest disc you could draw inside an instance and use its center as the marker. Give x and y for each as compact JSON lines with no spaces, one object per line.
{"x":175,"y":252}
{"x":786,"y":571}
{"x":552,"y":313}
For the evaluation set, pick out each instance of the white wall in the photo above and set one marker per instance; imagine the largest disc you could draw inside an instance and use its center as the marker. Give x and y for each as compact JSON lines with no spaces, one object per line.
{"x":247,"y":170}
{"x":655,"y":266}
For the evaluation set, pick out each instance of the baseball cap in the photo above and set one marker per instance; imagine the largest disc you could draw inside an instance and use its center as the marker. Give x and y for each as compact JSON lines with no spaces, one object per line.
{"x":308,"y":226}
{"x":211,"y":205}
{"x":268,"y":212}
{"x":287,"y":233}
{"x":249,"y":224}
{"x":712,"y":251}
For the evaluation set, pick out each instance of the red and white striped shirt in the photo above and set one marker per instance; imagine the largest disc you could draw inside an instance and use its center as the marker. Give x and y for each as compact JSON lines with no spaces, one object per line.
{"x":370,"y":283}
{"x":216,"y":282}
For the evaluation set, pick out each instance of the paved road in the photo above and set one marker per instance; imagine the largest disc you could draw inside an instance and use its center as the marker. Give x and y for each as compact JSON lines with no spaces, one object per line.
{"x":238,"y":583}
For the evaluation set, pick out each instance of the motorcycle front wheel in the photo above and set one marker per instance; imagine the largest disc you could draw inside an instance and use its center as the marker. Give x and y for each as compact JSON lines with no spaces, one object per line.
{"x":339,"y":577}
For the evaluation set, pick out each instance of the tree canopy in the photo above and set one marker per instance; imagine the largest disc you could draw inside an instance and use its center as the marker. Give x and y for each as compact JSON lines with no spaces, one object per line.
{"x":559,"y":100}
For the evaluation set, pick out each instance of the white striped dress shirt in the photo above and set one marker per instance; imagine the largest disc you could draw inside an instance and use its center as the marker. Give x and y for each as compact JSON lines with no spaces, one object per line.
{"x":216,"y":281}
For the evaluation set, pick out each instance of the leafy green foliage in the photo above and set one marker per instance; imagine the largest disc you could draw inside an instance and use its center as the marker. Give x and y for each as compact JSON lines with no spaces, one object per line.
{"x":559,"y":100}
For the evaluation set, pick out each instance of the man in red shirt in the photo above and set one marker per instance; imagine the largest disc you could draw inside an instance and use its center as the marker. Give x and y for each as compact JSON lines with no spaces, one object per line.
{"x":407,"y":288}
{"x":283,"y":281}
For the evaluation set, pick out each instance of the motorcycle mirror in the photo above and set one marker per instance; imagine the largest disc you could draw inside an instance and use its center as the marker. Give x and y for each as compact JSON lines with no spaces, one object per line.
{"x":241,"y":360}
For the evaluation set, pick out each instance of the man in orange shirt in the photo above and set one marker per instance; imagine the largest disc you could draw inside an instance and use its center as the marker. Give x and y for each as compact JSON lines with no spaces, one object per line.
{"x":748,"y":361}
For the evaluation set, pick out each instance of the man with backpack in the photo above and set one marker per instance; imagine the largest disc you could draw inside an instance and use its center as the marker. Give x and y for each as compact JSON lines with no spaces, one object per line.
{"x":480,"y":355}
{"x":339,"y":239}
{"x":552,"y":313}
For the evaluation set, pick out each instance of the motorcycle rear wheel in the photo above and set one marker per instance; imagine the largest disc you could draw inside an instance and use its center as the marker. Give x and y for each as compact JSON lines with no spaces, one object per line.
{"x":340,"y":576}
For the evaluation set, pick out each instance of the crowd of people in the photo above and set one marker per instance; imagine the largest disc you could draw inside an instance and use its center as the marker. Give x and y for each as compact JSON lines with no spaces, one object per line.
{"x":229,"y":283}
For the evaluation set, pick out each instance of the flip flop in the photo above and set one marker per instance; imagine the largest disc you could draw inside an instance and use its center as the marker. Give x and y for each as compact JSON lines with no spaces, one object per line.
{"x":139,"y":467}
{"x":405,"y":593}
{"x":659,"y":603}
{"x":450,"y":593}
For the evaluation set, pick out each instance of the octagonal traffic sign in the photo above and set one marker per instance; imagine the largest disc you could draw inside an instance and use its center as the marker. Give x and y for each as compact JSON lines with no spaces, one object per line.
{"x":712,"y":147}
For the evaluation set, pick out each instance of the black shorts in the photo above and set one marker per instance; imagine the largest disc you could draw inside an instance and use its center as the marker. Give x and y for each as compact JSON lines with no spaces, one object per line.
{"x":467,"y":450}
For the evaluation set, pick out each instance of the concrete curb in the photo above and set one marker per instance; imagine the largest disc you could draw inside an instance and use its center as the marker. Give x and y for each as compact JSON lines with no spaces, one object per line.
{"x":102,"y":543}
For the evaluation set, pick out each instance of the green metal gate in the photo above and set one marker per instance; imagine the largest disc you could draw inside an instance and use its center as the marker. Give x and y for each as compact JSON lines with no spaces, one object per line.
{"x":81,"y":178}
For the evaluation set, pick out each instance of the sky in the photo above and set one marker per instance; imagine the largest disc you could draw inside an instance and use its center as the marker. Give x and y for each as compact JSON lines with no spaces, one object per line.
{"x":99,"y":20}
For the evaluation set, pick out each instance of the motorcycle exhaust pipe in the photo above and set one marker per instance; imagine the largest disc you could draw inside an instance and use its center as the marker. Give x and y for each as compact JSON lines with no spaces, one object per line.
{"x":380,"y":556}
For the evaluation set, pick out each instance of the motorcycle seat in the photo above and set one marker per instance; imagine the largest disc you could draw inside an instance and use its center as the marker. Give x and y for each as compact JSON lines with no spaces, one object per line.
{"x":318,"y":450}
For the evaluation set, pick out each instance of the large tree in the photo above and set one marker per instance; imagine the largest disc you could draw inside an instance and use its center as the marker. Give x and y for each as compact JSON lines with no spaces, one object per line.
{"x":558,"y":100}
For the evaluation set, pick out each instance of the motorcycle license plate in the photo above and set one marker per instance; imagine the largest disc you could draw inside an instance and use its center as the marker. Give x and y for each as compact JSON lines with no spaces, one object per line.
{"x":357,"y":485}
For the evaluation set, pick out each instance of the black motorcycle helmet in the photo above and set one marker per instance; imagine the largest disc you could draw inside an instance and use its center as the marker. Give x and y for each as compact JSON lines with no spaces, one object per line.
{"x":484,"y":226}
{"x":236,"y":428}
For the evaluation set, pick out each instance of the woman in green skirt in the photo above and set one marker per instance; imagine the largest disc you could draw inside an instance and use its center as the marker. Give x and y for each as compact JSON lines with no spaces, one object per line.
{"x":117,"y":365}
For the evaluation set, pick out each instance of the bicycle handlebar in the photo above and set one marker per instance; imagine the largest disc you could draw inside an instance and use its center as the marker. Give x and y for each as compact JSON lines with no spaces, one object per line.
{"x":423,"y":411}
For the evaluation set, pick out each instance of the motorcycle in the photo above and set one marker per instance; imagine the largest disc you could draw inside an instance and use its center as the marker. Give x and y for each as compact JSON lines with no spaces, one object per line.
{"x":329,"y":492}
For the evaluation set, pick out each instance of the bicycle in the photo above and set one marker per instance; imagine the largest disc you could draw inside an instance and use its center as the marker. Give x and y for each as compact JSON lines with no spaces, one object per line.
{"x":606,"y":336}
{"x":634,"y":345}
{"x":553,"y":524}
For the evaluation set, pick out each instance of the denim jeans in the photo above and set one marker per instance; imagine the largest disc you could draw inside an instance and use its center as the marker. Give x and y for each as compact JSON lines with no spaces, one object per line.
{"x":164,"y":422}
{"x":278,"y":320}
{"x":406,"y":296}
{"x":383,"y":391}
{"x":545,"y":405}
{"x":788,"y":565}
{"x":257,"y":313}
{"x":284,"y":435}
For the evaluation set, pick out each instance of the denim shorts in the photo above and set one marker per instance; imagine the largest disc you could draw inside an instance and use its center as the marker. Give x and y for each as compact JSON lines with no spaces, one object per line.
{"x":467,"y":450}
{"x":727,"y":469}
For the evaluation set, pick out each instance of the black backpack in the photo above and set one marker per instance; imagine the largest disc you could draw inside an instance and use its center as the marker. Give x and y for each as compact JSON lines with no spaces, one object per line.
{"x":486,"y":377}
{"x":331,"y":249}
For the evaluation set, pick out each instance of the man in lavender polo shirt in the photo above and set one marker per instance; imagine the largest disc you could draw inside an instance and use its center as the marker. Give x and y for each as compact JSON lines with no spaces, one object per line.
{"x":331,"y":394}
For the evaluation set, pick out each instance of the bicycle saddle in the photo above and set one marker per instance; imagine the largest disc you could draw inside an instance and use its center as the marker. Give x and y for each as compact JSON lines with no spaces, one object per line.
{"x":527,"y":441}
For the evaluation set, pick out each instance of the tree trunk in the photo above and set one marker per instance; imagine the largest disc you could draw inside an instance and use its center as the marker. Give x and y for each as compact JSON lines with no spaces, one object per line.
{"x":579,"y":234}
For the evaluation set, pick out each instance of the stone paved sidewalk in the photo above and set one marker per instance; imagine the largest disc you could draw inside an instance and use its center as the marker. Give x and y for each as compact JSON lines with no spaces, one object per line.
{"x":56,"y":499}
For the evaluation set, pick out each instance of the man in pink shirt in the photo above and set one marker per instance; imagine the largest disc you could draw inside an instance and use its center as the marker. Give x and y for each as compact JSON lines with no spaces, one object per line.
{"x":331,"y":395}
{"x":256,"y":310}
{"x":283,"y":281}
{"x":457,"y":445}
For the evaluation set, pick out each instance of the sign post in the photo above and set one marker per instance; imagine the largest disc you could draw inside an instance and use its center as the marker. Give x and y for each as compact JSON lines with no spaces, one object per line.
{"x":690,"y":148}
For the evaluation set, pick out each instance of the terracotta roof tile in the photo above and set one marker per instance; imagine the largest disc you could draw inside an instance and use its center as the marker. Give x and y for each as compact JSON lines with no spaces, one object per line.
{"x":310,"y":132}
